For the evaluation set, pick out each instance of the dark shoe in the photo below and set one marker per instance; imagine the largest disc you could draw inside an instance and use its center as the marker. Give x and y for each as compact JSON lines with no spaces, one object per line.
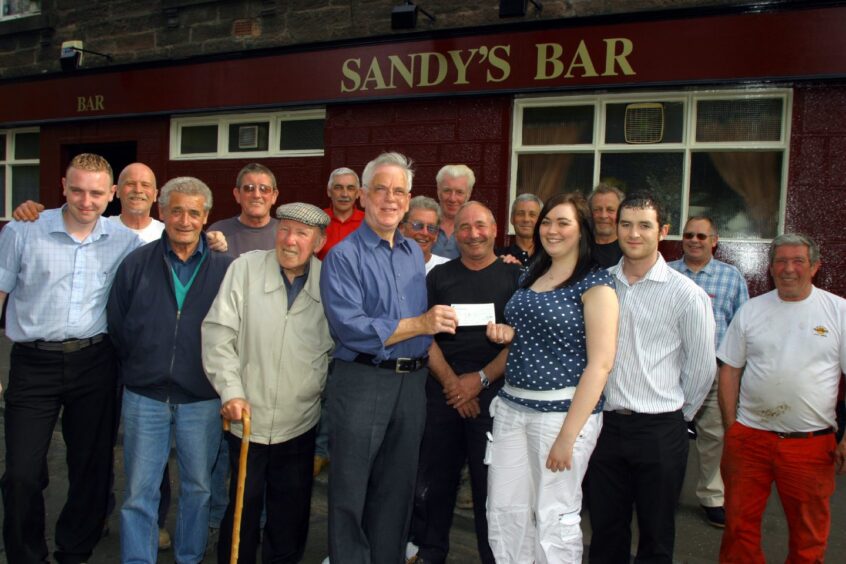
{"x":716,"y":516}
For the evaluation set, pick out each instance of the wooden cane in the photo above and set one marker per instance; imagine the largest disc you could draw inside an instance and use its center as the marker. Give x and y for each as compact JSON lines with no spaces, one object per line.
{"x":242,"y":477}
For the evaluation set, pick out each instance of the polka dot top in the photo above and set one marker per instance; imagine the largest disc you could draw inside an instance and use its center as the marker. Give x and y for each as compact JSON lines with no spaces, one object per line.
{"x":549,"y":351}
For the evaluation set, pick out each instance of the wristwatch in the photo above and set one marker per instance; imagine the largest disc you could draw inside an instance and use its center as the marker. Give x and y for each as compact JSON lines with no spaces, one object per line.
{"x":484,"y":379}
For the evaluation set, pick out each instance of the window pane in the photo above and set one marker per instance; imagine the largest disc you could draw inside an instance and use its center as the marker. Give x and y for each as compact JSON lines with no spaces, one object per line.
{"x":739,"y":120}
{"x":301,"y":134}
{"x":562,"y":125}
{"x":199,"y":139}
{"x":659,"y":173}
{"x":26,"y":145}
{"x":739,"y":190}
{"x":3,"y":211}
{"x":547,"y":175}
{"x":653,"y":122}
{"x":3,"y":147}
{"x":248,"y":137}
{"x":25,"y":180}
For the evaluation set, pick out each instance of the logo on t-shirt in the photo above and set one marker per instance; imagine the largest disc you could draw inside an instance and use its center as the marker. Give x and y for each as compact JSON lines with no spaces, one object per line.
{"x":820,"y":331}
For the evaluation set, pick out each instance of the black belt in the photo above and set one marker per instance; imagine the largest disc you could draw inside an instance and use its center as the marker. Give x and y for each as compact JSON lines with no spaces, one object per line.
{"x":803,"y":435}
{"x":68,"y":346}
{"x":400,"y":365}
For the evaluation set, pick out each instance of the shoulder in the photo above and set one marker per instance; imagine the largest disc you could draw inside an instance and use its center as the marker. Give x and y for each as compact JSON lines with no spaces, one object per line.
{"x":727,"y":269}
{"x":225,"y":225}
{"x":677,"y":265}
{"x":597,"y":277}
{"x":829,"y":300}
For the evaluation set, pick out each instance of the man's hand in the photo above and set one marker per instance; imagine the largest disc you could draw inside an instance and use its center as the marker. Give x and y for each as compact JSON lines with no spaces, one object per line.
{"x":440,"y":319}
{"x":500,"y":333}
{"x":466,"y":389}
{"x":470,"y":409}
{"x":511,"y":259}
{"x":234,"y":409}
{"x":28,"y":211}
{"x":217,"y":241}
{"x":840,"y":456}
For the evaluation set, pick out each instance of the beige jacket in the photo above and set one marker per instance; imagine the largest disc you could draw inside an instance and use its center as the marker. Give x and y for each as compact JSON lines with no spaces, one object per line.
{"x":253,"y":348}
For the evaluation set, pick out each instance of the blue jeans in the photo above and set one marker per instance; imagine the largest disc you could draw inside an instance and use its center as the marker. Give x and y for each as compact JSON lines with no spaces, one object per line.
{"x":147,"y":425}
{"x":219,"y":493}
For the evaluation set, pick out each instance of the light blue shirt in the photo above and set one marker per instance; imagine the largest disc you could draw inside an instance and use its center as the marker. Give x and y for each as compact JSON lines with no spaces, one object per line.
{"x":724,"y":284}
{"x":58,"y":286}
{"x":445,"y":246}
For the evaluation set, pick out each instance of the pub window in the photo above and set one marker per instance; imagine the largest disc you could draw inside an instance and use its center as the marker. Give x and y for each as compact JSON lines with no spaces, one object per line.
{"x":234,"y":136}
{"x":718,"y":153}
{"x":10,"y":9}
{"x":19,"y":168}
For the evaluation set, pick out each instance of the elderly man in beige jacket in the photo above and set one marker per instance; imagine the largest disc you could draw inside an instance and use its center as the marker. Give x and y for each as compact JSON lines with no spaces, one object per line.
{"x":266,"y":350}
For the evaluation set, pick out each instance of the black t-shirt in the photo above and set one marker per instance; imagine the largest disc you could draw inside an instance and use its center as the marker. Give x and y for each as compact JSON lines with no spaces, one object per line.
{"x":606,"y":255}
{"x":515,"y":251}
{"x":453,"y":283}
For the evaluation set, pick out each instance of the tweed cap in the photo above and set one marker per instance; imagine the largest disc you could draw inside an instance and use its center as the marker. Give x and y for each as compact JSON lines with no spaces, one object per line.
{"x":304,"y":213}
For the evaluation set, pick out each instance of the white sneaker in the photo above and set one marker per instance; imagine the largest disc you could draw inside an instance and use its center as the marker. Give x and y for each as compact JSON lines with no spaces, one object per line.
{"x":411,"y":550}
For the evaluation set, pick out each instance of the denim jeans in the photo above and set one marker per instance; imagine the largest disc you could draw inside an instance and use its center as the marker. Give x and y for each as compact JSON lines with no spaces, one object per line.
{"x":147,"y":425}
{"x":219,"y":493}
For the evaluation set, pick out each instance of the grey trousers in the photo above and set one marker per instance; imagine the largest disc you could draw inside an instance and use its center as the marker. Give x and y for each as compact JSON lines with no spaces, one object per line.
{"x":378,"y":417}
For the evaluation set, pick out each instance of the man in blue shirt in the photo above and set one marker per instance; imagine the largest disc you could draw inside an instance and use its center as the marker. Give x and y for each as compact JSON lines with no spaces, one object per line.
{"x":57,"y":272}
{"x":374,"y":292}
{"x":455,"y":186}
{"x":159,"y":298}
{"x":727,"y":289}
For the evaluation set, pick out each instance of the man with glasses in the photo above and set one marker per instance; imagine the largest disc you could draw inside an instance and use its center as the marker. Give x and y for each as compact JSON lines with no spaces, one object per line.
{"x":422,"y":223}
{"x":726,"y":287}
{"x":253,"y":229}
{"x":373,"y":288}
{"x":344,"y":218}
{"x":455,"y":185}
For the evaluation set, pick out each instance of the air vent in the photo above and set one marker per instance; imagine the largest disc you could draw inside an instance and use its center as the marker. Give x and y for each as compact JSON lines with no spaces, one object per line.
{"x":248,"y":137}
{"x":644,"y":123}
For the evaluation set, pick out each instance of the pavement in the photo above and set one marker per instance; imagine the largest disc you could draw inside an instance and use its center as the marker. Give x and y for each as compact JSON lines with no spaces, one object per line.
{"x":696,"y":541}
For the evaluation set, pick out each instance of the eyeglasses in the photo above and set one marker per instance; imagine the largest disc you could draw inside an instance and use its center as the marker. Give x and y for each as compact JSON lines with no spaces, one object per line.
{"x":699,"y":236}
{"x":263,"y":188}
{"x":419,"y":226}
{"x":382,"y":191}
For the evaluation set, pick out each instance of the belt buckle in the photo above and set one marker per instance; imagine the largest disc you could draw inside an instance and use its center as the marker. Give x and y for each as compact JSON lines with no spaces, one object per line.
{"x":781,"y":434}
{"x":624,"y":411}
{"x":72,"y":346}
{"x":404,"y":365}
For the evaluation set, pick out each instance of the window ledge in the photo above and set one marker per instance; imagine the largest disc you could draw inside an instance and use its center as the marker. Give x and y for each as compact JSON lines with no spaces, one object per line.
{"x":37,"y":22}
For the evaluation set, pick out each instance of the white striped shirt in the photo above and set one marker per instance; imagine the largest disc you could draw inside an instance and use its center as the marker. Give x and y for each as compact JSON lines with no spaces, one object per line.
{"x":666,"y":359}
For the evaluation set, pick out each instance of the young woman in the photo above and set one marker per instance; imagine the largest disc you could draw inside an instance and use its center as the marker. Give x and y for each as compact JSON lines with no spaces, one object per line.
{"x":562,"y":330}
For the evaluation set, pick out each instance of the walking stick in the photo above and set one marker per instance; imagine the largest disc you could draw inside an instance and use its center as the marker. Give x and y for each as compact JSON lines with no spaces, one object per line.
{"x":242,"y":477}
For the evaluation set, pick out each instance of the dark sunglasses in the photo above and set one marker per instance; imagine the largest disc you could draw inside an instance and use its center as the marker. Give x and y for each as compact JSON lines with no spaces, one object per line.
{"x":263,"y":188}
{"x":699,"y":236}
{"x":419,"y":226}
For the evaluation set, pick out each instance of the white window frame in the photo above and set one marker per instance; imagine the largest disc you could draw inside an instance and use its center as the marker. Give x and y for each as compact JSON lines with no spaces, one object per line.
{"x":223,"y":121}
{"x":688,"y":146}
{"x":3,"y":18}
{"x":8,"y":161}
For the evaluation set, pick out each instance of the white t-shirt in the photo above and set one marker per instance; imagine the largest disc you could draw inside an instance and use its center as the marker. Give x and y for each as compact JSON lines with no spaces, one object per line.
{"x":149,"y":233}
{"x":434,"y":261}
{"x":794,"y":353}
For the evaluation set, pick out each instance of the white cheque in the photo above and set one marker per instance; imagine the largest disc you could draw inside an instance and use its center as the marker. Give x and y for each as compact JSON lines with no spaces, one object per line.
{"x":474,"y":314}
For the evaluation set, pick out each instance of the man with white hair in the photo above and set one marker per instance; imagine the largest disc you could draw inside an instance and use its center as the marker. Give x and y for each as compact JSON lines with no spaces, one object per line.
{"x":343,"y":190}
{"x":455,"y":186}
{"x":373,"y":286}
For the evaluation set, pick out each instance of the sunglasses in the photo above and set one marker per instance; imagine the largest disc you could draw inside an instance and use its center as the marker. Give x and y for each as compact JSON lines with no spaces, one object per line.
{"x":699,"y":236}
{"x":263,"y":188}
{"x":419,"y":226}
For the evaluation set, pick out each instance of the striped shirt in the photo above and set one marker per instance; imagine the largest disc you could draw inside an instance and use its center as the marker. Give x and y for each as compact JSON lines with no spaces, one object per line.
{"x":665,"y":347}
{"x":724,"y":284}
{"x":58,"y":286}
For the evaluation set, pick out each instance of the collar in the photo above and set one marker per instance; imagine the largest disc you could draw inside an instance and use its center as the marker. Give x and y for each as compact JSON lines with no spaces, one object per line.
{"x":201,"y":247}
{"x":55,"y":223}
{"x":708,"y":269}
{"x":372,"y":240}
{"x":357,"y":214}
{"x":273,"y":275}
{"x":659,"y":272}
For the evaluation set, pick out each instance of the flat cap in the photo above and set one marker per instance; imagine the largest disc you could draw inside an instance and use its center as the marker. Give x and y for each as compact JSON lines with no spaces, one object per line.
{"x":304,"y":213}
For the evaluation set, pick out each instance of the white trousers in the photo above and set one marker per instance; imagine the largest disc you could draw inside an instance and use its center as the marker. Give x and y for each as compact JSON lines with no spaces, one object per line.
{"x":533,"y":513}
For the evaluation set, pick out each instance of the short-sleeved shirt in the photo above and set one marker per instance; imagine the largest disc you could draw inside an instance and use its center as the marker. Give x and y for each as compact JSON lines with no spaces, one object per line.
{"x":58,"y":286}
{"x":368,"y":287}
{"x":724,"y":284}
{"x":242,"y":238}
{"x":549,"y":351}
{"x":445,"y":245}
{"x":794,"y":353}
{"x":515,"y":251}
{"x":152,"y":232}
{"x":338,"y":230}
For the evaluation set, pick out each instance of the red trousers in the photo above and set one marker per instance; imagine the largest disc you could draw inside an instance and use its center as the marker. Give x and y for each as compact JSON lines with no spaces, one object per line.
{"x":803,"y":470}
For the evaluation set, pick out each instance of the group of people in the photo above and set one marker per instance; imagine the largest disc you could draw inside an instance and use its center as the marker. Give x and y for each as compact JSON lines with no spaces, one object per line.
{"x":399,"y":343}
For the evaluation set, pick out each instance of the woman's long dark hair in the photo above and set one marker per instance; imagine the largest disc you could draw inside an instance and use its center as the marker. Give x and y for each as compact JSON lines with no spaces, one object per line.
{"x":541,"y":261}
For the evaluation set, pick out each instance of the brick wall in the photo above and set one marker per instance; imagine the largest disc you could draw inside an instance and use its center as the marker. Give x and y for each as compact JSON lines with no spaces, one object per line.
{"x":138,"y":31}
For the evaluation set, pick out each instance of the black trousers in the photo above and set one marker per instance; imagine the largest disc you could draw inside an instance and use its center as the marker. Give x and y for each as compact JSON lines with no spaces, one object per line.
{"x":449,"y":441}
{"x":281,"y":475}
{"x":41,"y":383}
{"x":639,"y":460}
